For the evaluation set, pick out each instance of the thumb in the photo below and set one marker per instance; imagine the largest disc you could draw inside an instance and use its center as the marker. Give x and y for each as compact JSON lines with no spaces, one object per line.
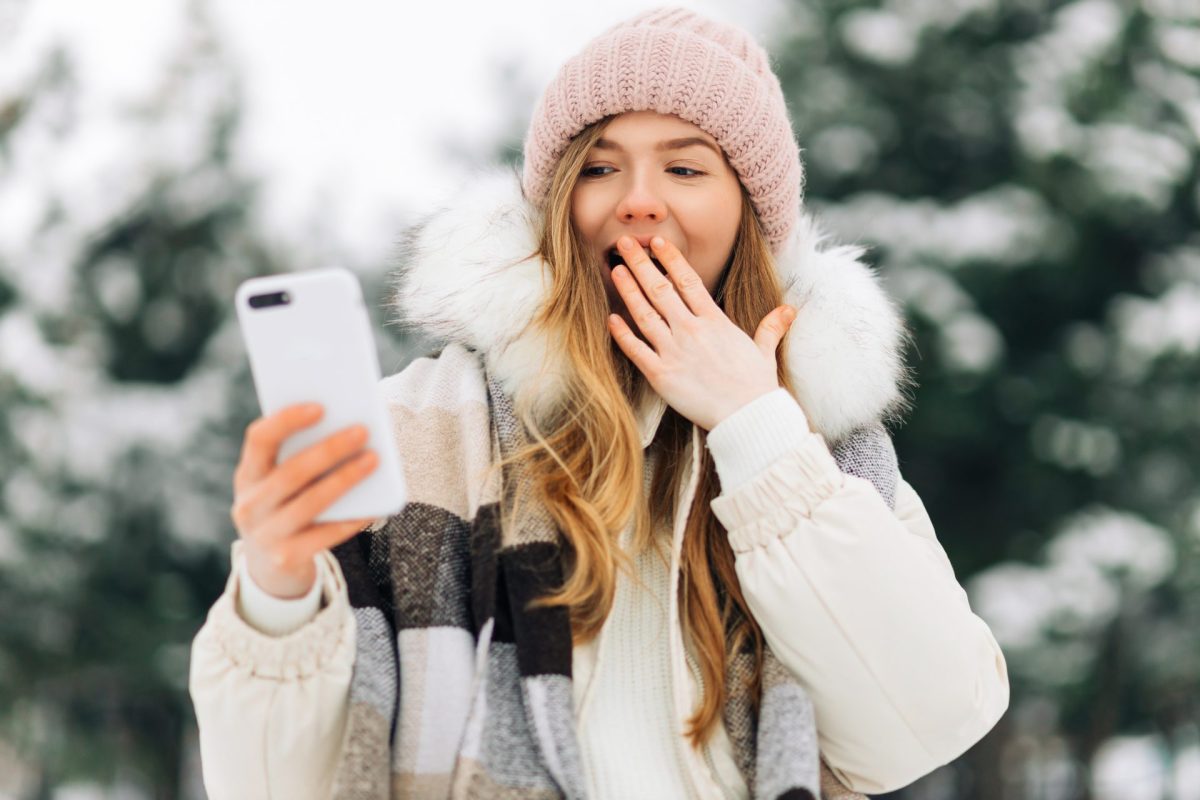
{"x":773,"y":328}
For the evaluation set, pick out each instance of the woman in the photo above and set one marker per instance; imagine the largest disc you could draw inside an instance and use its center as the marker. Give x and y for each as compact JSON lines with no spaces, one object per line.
{"x":662,"y":552}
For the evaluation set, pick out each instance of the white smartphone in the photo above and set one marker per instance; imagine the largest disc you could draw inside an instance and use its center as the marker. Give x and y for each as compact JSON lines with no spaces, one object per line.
{"x":309,"y":340}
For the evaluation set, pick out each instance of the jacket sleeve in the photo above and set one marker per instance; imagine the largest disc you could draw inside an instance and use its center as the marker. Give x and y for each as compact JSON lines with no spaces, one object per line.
{"x":859,"y":601}
{"x":270,"y":679}
{"x":272,"y":710}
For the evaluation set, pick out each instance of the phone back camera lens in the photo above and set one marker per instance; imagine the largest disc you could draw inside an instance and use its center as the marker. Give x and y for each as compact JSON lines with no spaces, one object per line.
{"x":270,"y":299}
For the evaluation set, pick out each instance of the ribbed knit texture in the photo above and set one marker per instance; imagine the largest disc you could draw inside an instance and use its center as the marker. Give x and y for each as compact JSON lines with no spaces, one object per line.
{"x":629,"y":737}
{"x":756,"y":435}
{"x":630,"y":734}
{"x":276,"y":616}
{"x":674,"y":61}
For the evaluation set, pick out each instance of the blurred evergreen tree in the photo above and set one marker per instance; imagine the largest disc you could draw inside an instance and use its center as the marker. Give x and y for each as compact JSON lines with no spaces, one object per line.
{"x":125,"y":393}
{"x":1026,"y":176}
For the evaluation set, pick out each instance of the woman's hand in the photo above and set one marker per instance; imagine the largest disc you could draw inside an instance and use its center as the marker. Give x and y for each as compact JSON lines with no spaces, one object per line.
{"x":701,"y":363}
{"x":274,"y":505}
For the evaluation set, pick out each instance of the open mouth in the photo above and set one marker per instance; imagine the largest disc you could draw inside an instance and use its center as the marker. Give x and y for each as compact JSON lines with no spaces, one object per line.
{"x":613,"y":257}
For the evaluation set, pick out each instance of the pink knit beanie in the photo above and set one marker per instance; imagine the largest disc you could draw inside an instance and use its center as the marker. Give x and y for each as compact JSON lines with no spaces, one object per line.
{"x":674,"y":61}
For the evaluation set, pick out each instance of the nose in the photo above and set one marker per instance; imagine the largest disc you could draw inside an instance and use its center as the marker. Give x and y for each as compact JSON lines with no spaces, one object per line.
{"x":641,"y":202}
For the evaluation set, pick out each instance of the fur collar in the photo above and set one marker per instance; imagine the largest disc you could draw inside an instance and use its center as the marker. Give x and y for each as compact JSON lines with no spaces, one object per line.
{"x":463,"y":275}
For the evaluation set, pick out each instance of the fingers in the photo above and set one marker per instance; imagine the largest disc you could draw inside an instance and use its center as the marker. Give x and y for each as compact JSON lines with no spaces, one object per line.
{"x":288,"y":478}
{"x":292,"y":552}
{"x":643,"y":276}
{"x":648,"y":320}
{"x":688,"y":282}
{"x":264,"y":436}
{"x":275,"y":505}
{"x":298,"y":513}
{"x":640,"y":353}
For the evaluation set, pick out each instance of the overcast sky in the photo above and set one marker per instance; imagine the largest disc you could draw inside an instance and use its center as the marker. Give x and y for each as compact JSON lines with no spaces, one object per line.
{"x":353,"y":108}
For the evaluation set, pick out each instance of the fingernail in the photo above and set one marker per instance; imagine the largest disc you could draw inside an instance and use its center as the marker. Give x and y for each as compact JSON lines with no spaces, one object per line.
{"x":657,"y":241}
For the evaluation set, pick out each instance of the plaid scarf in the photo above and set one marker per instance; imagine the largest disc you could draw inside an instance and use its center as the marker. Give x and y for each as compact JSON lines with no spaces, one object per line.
{"x":459,"y":690}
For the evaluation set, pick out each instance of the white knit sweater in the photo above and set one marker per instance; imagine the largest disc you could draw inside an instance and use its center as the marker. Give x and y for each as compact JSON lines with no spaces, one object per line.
{"x":626,"y":724}
{"x":630,"y":732}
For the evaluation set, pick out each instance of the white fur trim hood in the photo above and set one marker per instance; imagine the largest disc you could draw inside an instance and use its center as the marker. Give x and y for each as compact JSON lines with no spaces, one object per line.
{"x":464,"y":275}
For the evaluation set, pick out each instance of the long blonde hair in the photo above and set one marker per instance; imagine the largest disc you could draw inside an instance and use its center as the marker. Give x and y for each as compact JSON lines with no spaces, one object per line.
{"x":585,"y":463}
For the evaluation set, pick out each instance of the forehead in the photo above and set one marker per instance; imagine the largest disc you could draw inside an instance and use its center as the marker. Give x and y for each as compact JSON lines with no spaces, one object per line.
{"x":648,"y":128}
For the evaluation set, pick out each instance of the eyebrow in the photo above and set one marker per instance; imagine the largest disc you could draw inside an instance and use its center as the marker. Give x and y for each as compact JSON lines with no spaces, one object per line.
{"x":669,"y":144}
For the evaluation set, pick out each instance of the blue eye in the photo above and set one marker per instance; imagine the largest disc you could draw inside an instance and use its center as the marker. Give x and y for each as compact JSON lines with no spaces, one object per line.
{"x":588,"y":173}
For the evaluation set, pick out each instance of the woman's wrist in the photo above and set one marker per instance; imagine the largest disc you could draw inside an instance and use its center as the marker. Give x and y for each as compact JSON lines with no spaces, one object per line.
{"x":274,"y":615}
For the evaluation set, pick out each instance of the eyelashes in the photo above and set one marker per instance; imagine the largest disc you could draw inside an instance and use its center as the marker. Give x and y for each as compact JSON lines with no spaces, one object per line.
{"x":585,"y":172}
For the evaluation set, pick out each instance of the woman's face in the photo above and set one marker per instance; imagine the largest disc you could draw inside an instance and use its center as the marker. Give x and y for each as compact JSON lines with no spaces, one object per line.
{"x":639,"y":182}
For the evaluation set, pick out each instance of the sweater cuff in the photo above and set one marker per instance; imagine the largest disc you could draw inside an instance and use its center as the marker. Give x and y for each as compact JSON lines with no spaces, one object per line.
{"x":298,"y":655}
{"x":755,"y":436}
{"x":272,"y":615}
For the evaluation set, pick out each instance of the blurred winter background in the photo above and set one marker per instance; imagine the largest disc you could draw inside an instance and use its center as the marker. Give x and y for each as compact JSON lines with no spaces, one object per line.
{"x":1025,"y":172}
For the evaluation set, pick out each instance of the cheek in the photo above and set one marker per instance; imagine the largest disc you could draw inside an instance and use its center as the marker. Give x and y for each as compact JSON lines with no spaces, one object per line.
{"x":715,"y":231}
{"x":708,"y":253}
{"x":585,"y":212}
